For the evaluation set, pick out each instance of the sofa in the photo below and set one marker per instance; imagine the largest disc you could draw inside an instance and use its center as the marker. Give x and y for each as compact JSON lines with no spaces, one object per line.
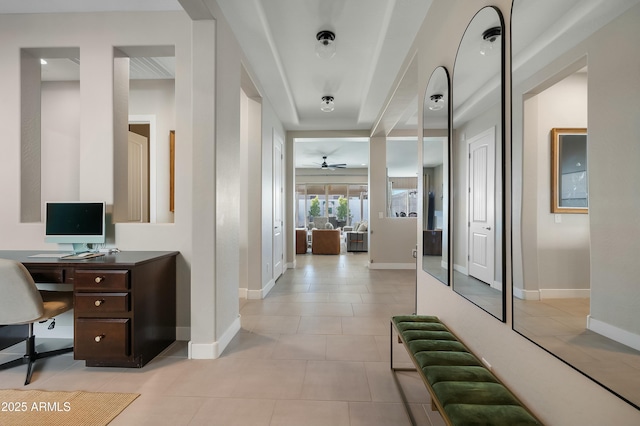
{"x":325,"y":241}
{"x":358,"y":239}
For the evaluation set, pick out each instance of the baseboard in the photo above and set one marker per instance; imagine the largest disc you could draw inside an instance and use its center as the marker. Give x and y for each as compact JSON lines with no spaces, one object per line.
{"x":496,"y":285}
{"x":521,"y":294}
{"x":213,"y":350}
{"x":564,"y":293}
{"x":614,"y":333}
{"x":461,"y":269}
{"x":260,"y":294}
{"x":242,"y":293}
{"x":266,"y":289}
{"x":392,"y":265}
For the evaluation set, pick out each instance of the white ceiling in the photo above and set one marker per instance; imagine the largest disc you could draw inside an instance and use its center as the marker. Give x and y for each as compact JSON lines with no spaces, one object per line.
{"x":373,"y":38}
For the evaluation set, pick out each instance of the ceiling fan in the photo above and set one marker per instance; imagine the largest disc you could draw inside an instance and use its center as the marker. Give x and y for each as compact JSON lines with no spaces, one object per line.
{"x":325,"y":166}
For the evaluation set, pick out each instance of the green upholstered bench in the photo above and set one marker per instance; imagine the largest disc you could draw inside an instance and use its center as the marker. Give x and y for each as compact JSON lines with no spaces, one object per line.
{"x":462,"y":389}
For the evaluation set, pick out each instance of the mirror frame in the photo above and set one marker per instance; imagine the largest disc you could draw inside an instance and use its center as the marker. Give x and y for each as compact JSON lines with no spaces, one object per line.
{"x":440,"y":76}
{"x":556,"y":173}
{"x":501,"y":174}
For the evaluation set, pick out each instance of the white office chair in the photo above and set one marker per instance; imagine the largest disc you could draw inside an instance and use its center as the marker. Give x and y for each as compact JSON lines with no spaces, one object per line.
{"x":22,"y":303}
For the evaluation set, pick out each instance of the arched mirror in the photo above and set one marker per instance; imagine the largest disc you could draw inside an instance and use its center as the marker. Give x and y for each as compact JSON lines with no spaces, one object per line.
{"x":477,"y":177}
{"x":575,"y":276}
{"x":435,"y":176}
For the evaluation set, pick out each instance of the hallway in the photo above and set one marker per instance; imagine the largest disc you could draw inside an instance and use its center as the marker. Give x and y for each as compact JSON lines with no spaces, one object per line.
{"x":329,"y":318}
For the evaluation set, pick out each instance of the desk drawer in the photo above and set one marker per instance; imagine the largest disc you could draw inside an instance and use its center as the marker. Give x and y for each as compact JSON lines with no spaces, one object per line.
{"x":87,"y":304}
{"x":101,"y":338}
{"x":96,"y":280}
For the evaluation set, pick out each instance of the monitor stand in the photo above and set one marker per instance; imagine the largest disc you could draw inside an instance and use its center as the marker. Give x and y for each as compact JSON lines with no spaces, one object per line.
{"x":80,"y":248}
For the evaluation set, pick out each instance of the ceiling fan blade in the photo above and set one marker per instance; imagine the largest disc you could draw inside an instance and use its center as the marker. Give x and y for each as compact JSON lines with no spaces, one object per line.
{"x":341,"y":166}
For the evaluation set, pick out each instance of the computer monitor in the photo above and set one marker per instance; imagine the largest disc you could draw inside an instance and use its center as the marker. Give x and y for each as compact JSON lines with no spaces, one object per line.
{"x":76,"y":222}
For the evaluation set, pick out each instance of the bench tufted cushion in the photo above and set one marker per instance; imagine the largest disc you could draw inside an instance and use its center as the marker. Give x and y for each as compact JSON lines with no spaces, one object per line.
{"x":447,"y":373}
{"x":489,"y":415}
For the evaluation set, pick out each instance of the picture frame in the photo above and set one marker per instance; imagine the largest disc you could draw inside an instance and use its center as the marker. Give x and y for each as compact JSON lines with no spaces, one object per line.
{"x":569,"y":172}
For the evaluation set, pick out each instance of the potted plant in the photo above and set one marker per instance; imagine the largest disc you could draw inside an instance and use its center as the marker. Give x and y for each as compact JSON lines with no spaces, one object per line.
{"x":314,"y":208}
{"x":342,"y":211}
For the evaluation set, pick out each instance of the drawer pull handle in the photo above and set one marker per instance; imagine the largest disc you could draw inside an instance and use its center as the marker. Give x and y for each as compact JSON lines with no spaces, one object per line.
{"x":98,"y":280}
{"x":99,"y":338}
{"x":98,"y":302}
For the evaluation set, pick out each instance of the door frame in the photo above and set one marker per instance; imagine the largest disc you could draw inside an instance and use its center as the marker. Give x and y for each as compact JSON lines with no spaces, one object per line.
{"x":150,"y":119}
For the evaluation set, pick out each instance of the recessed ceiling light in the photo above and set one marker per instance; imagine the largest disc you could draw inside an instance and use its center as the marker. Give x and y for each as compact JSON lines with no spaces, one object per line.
{"x":327,"y":104}
{"x":326,"y":46}
{"x":43,"y":62}
{"x":489,"y":38}
{"x":436,"y":102}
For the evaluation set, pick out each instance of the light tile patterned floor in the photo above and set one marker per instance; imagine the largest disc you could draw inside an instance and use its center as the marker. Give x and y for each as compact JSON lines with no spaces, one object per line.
{"x":314,"y":352}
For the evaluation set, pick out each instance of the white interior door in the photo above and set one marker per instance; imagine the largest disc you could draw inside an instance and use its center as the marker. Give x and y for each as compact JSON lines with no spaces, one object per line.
{"x":482,"y":159}
{"x":138,"y":178}
{"x":278,"y":192}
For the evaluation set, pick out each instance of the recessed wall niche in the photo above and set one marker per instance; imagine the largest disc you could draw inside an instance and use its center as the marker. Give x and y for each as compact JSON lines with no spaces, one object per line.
{"x":50,"y":128}
{"x":143,"y":120}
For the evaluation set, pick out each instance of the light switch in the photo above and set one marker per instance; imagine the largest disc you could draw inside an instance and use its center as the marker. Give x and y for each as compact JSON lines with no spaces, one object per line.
{"x":558,"y":218}
{"x":380,"y":215}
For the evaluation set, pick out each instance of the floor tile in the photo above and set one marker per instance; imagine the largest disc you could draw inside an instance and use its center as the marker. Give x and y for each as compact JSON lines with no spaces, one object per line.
{"x":336,"y":381}
{"x":311,"y":413}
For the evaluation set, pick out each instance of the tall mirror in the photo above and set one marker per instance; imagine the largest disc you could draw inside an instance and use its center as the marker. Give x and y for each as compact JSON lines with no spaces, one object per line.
{"x":575,"y":276}
{"x":435,"y":176}
{"x":477,"y":146}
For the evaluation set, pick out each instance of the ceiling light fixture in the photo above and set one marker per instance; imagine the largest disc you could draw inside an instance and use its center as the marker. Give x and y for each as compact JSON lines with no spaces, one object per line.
{"x":43,"y":62}
{"x":327,"y":104}
{"x":436,"y":102}
{"x":489,"y":38}
{"x":326,"y":46}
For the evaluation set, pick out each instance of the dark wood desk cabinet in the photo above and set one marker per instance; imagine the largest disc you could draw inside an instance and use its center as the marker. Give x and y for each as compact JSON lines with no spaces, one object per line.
{"x":124,"y":303}
{"x":432,"y":243}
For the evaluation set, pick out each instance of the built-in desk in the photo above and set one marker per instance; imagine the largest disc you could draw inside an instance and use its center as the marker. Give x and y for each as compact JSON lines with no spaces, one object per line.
{"x":124,"y":303}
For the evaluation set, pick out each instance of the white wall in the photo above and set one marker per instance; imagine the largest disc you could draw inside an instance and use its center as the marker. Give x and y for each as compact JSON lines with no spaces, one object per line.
{"x":60,"y":138}
{"x":557,"y":393}
{"x":91,"y":167}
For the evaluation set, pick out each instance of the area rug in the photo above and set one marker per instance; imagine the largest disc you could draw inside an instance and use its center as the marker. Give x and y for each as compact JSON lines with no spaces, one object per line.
{"x":52,"y":408}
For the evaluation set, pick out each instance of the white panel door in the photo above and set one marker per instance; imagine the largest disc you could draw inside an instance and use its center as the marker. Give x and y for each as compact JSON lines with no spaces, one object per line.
{"x":482,"y":158}
{"x":138,"y":178}
{"x":278,"y":192}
